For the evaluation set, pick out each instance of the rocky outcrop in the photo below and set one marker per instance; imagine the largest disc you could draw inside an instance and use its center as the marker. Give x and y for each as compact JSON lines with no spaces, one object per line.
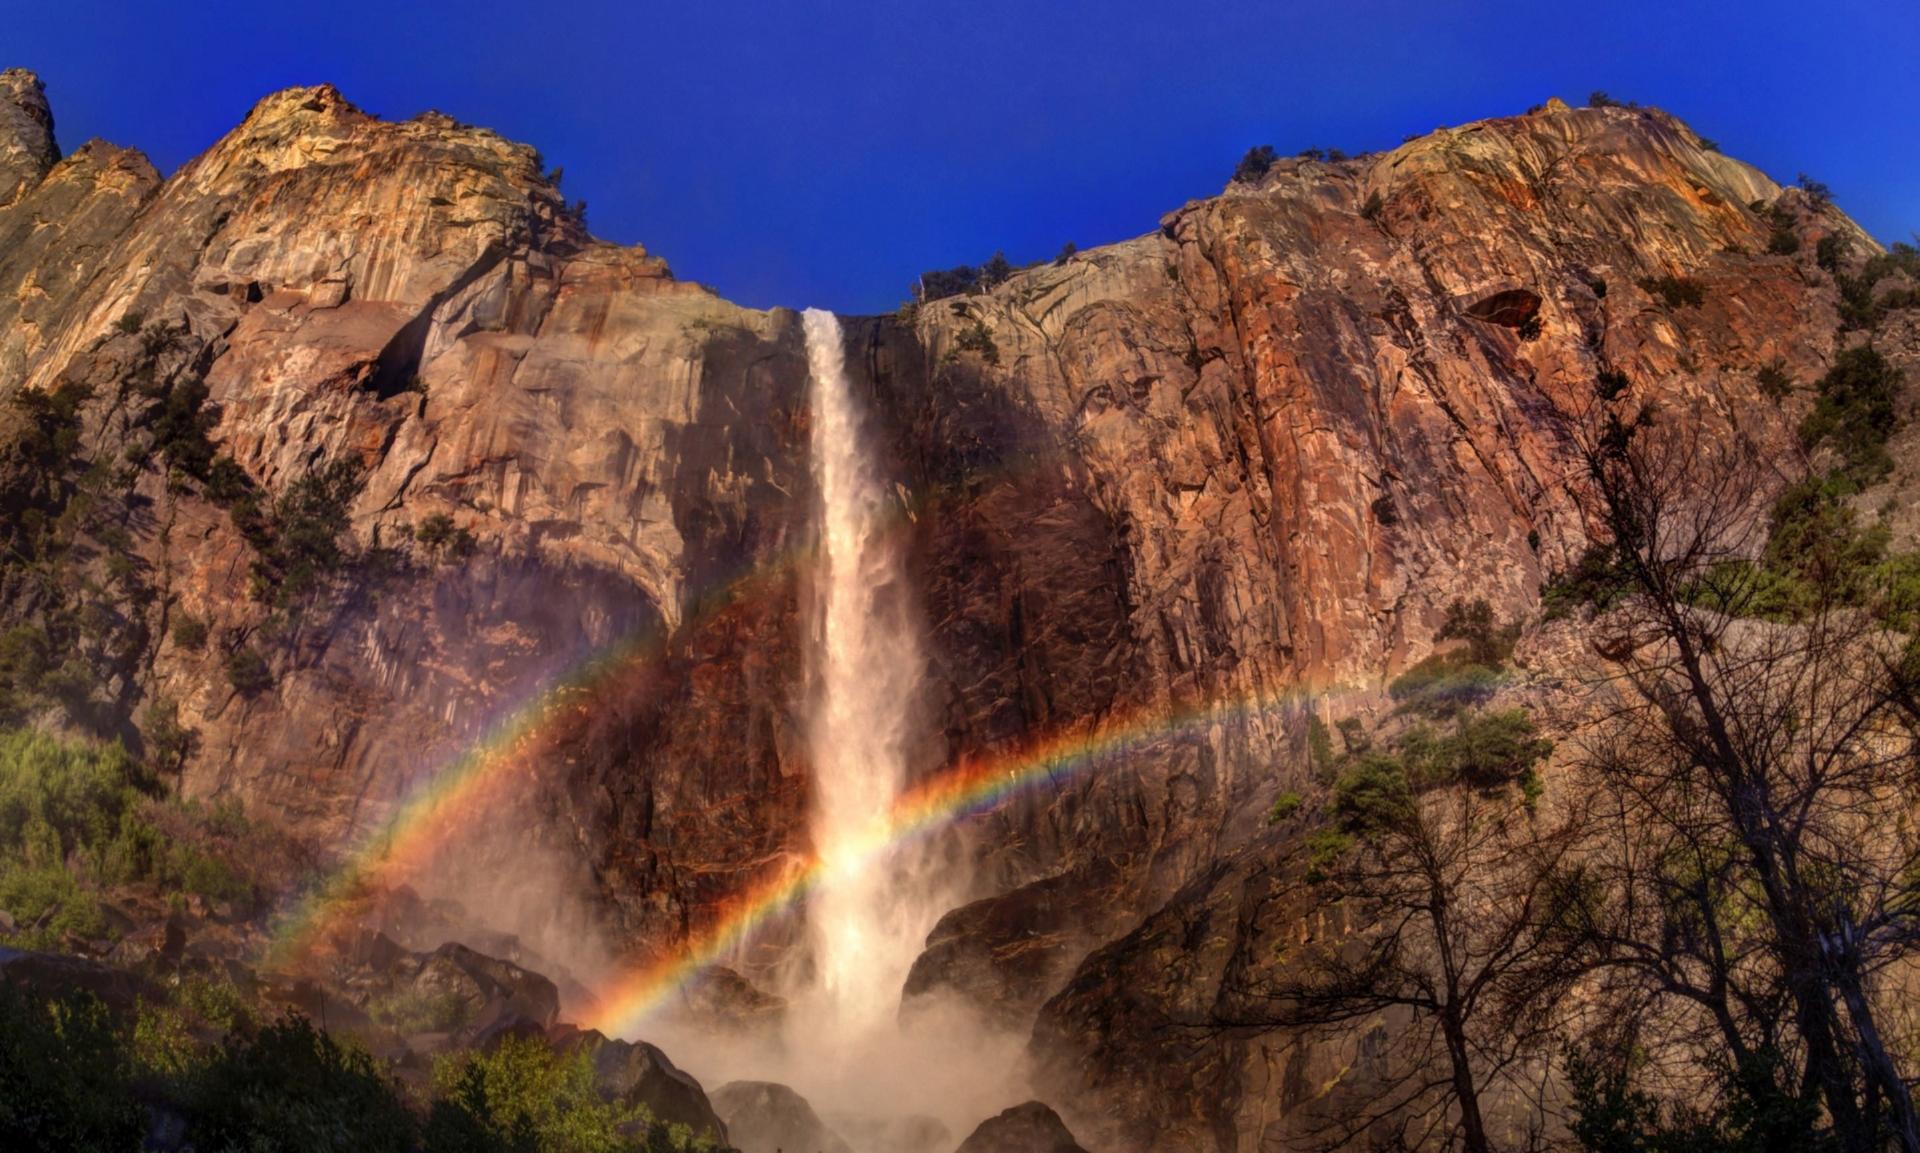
{"x":1243,"y":461}
{"x":764,"y":1117}
{"x":637,"y":1073}
{"x":27,"y":147}
{"x":1028,"y":1128}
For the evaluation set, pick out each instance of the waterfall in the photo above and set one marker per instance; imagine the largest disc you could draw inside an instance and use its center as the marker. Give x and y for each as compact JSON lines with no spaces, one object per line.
{"x":868,"y":916}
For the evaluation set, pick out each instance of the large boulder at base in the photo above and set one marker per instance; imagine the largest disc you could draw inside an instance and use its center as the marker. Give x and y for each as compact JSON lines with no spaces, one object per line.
{"x":62,"y":973}
{"x":765,"y":1117}
{"x":636,"y":1072}
{"x":1029,"y":1128}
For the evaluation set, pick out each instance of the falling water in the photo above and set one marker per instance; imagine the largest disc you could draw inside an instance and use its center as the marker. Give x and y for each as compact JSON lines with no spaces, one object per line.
{"x":868,"y":917}
{"x":846,"y":1049}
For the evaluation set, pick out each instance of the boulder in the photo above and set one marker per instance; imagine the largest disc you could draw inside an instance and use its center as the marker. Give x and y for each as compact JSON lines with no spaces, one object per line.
{"x":766,"y":1117}
{"x":639,"y":1073}
{"x":1028,"y":1128}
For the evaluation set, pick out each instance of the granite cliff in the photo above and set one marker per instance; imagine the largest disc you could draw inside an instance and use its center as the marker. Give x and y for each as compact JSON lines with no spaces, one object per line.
{"x":1252,"y":454}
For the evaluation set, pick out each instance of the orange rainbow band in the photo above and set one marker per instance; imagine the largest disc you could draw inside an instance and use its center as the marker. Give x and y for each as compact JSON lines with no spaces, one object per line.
{"x":966,"y":788}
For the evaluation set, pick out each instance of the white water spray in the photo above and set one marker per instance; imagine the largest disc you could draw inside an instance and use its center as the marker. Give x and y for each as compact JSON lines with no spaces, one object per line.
{"x":869,"y":916}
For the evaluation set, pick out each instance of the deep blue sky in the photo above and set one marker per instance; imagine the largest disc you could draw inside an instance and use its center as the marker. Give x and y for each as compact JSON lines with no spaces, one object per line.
{"x":822,"y":154}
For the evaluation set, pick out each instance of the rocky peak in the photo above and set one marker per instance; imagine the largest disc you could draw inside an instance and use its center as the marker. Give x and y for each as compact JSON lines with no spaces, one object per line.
{"x":27,"y":147}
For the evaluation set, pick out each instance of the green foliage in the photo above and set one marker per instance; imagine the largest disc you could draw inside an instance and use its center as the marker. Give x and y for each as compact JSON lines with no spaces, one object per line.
{"x":1816,"y":191}
{"x":299,"y":544}
{"x":74,"y":817}
{"x":1258,"y":161}
{"x":1066,"y":253}
{"x":1594,"y":582}
{"x":1855,"y":412}
{"x":1830,"y":251}
{"x":977,"y":338}
{"x":963,"y":278}
{"x":465,"y":1120}
{"x":1860,"y":306}
{"x":1285,"y":805}
{"x":293,"y":1089}
{"x":1488,"y":641}
{"x":1599,"y":99}
{"x":1444,"y":683}
{"x":189,"y":632}
{"x":65,"y":1084}
{"x":1320,"y":755}
{"x":1773,"y":380}
{"x":247,"y":671}
{"x":522,"y":1086}
{"x":1750,"y":1112}
{"x":416,"y":1011}
{"x":434,"y":530}
{"x":1675,"y":291}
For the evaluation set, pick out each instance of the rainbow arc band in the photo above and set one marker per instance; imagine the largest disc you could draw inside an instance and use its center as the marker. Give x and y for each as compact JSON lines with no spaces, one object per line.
{"x":969,"y":787}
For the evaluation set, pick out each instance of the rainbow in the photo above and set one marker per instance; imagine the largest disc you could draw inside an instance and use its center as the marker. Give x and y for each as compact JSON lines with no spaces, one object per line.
{"x":462,"y":788}
{"x":966,"y":788}
{"x":467,"y":785}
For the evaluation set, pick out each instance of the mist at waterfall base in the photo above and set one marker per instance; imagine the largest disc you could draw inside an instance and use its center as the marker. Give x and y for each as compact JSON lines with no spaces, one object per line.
{"x":845,"y":1045}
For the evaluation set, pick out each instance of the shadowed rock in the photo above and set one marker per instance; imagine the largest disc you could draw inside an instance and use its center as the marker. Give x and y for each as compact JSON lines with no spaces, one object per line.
{"x":1028,"y":1128}
{"x":765,"y":1117}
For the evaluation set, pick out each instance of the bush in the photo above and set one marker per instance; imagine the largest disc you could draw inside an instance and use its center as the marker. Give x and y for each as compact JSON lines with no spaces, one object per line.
{"x":65,"y":1085}
{"x":1773,"y":380}
{"x":1676,"y":291}
{"x":248,"y":673}
{"x":1066,"y":253}
{"x":1256,"y":163}
{"x":189,"y":632}
{"x":1285,"y":805}
{"x":977,"y":338}
{"x":522,"y":1086}
{"x":1830,"y":251}
{"x":1610,"y":384}
{"x":293,"y":1089}
{"x":1816,"y":191}
{"x":1855,"y":412}
{"x":1595,"y":581}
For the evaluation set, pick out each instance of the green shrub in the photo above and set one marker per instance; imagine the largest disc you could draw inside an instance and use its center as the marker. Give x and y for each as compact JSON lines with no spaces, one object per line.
{"x":977,"y":338}
{"x":1594,"y":582}
{"x":413,"y":1011}
{"x":65,"y":1084}
{"x":293,"y":1089}
{"x":189,"y":632}
{"x":1285,"y":805}
{"x":1831,"y":250}
{"x":1773,"y":380}
{"x":527,"y":1087}
{"x":434,"y":530}
{"x":1855,"y":412}
{"x":1066,"y":253}
{"x":1256,"y":163}
{"x":247,"y":672}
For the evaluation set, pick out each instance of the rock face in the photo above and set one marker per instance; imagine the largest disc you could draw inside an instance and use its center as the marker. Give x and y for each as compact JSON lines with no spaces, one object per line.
{"x":1184,"y":489}
{"x":764,"y":1117}
{"x":1029,"y":1128}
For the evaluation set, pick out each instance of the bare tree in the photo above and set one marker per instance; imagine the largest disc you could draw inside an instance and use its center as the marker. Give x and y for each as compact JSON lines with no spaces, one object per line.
{"x":1759,"y":766}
